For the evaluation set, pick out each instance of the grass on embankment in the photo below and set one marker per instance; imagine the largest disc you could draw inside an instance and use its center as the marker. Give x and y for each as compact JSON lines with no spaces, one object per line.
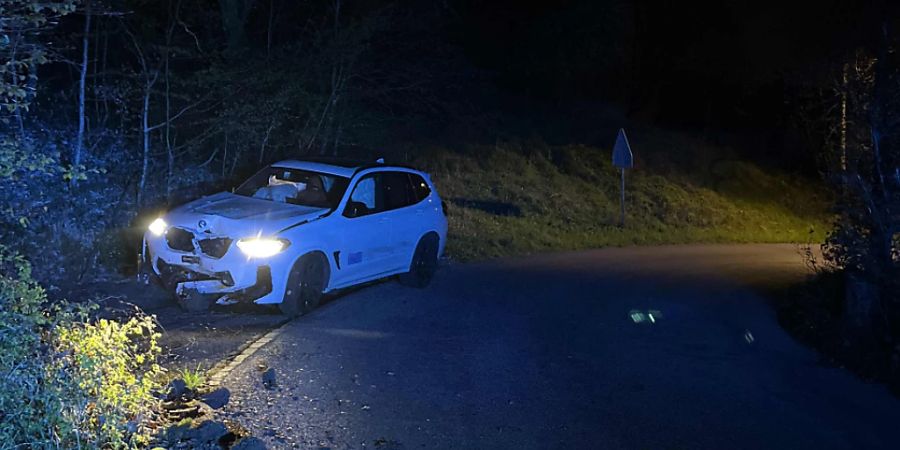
{"x":505,"y":202}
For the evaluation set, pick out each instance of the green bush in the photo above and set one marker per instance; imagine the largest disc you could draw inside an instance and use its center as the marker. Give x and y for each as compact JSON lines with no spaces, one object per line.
{"x":70,"y":382}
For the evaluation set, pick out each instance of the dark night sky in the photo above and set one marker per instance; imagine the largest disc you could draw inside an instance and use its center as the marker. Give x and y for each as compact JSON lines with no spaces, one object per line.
{"x":731,"y":66}
{"x":685,"y":63}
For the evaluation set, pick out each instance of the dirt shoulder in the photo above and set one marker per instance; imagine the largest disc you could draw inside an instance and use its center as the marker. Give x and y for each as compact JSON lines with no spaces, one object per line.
{"x":189,"y":339}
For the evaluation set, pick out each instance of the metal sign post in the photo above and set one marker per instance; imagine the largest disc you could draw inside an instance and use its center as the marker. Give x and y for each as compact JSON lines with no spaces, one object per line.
{"x":623,"y":159}
{"x":622,"y":202}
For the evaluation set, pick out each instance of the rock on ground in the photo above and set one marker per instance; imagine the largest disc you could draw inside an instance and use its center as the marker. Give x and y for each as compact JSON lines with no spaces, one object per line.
{"x":268,"y":379}
{"x":249,"y":443}
{"x":217,"y":398}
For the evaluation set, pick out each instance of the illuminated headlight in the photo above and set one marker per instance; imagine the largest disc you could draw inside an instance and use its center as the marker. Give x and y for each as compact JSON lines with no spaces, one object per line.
{"x":261,"y":247}
{"x":158,"y":227}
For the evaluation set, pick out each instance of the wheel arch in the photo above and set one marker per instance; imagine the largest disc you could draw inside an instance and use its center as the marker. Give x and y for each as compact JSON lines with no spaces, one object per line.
{"x":430,"y":234}
{"x":316,"y":253}
{"x":285,"y":270}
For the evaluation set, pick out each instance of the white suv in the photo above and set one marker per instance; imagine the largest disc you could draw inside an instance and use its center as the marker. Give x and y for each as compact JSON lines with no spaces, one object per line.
{"x":296,"y":230}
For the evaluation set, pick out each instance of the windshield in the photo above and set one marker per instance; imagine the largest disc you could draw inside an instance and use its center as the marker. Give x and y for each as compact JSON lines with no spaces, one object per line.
{"x":295,"y":186}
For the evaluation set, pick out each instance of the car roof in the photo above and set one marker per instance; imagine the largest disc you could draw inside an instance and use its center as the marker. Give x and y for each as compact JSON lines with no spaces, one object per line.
{"x":333,"y":169}
{"x":339,"y":167}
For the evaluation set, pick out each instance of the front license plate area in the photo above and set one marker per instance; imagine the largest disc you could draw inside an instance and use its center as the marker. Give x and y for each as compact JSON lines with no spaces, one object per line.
{"x":190,"y":259}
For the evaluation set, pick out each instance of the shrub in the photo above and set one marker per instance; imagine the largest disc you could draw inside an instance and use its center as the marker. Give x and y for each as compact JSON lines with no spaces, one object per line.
{"x":70,"y":382}
{"x":193,"y":379}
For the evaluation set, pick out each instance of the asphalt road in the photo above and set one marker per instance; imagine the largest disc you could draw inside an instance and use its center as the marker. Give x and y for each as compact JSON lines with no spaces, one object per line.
{"x":559,"y":351}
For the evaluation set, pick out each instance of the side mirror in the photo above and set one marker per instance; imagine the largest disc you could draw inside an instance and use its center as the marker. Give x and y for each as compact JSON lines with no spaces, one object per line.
{"x":354,"y":209}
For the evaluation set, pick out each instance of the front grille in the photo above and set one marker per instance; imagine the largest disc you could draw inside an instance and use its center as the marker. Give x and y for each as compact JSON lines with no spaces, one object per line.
{"x":215,"y":247}
{"x":180,"y":239}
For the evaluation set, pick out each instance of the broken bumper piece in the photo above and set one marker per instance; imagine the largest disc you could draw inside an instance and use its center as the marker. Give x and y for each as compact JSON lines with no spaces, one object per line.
{"x":219,"y":284}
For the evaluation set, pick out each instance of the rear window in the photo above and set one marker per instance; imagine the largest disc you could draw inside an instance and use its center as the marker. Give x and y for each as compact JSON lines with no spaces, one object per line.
{"x":420,"y":188}
{"x":396,"y":190}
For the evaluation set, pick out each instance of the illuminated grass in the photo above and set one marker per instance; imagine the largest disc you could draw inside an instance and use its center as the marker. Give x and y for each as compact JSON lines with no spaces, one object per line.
{"x":506,"y":202}
{"x":193,"y":379}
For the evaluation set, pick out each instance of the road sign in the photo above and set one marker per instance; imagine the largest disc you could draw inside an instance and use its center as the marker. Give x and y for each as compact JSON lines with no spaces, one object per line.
{"x":623,"y":159}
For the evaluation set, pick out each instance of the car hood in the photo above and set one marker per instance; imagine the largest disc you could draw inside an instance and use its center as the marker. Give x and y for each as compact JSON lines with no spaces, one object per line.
{"x":226,"y":214}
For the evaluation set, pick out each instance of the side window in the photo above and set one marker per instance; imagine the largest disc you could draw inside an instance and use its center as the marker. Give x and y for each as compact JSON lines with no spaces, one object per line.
{"x":366,"y":197}
{"x":384,"y":191}
{"x":420,"y":188}
{"x":396,"y":190}
{"x":365,"y":192}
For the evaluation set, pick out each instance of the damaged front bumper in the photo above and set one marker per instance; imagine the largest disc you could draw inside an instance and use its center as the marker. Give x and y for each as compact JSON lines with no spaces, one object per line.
{"x":221,"y":286}
{"x":230,"y":278}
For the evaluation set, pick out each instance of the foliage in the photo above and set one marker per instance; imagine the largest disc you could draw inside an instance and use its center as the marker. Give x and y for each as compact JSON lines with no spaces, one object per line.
{"x":862,"y":160}
{"x":49,"y":218}
{"x":16,"y":157}
{"x":21,"y":52}
{"x":114,"y":366}
{"x":513,"y":199}
{"x":814,"y":312}
{"x":70,"y":382}
{"x":851,"y":309}
{"x":193,"y":379}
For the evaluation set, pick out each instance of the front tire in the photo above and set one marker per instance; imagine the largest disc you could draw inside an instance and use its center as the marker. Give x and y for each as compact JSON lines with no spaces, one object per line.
{"x":304,"y":286}
{"x":424,"y":263}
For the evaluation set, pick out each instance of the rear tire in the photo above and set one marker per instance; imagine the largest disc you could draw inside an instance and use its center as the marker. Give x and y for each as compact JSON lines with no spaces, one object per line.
{"x":424,"y":263}
{"x":304,"y":287}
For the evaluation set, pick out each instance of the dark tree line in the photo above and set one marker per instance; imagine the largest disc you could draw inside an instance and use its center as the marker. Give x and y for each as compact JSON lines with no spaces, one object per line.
{"x":142,"y":103}
{"x":863,"y":163}
{"x":855,"y":106}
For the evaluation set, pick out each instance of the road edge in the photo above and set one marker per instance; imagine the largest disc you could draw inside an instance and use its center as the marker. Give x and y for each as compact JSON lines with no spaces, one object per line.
{"x":217,"y":373}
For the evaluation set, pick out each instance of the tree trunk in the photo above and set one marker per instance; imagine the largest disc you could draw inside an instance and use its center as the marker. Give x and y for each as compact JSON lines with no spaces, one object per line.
{"x":145,"y":127}
{"x":85,"y":42}
{"x":861,"y":306}
{"x":225,"y":155}
{"x":337,"y":135}
{"x":262,"y":148}
{"x":17,"y":110}
{"x":102,"y":78}
{"x":170,"y":152}
{"x":94,"y":67}
{"x":269,"y":28}
{"x":843,"y":125}
{"x":234,"y":17}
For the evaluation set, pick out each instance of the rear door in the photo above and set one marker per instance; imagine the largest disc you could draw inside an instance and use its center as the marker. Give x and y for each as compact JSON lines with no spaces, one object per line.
{"x":398,"y":201}
{"x":412,"y":213}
